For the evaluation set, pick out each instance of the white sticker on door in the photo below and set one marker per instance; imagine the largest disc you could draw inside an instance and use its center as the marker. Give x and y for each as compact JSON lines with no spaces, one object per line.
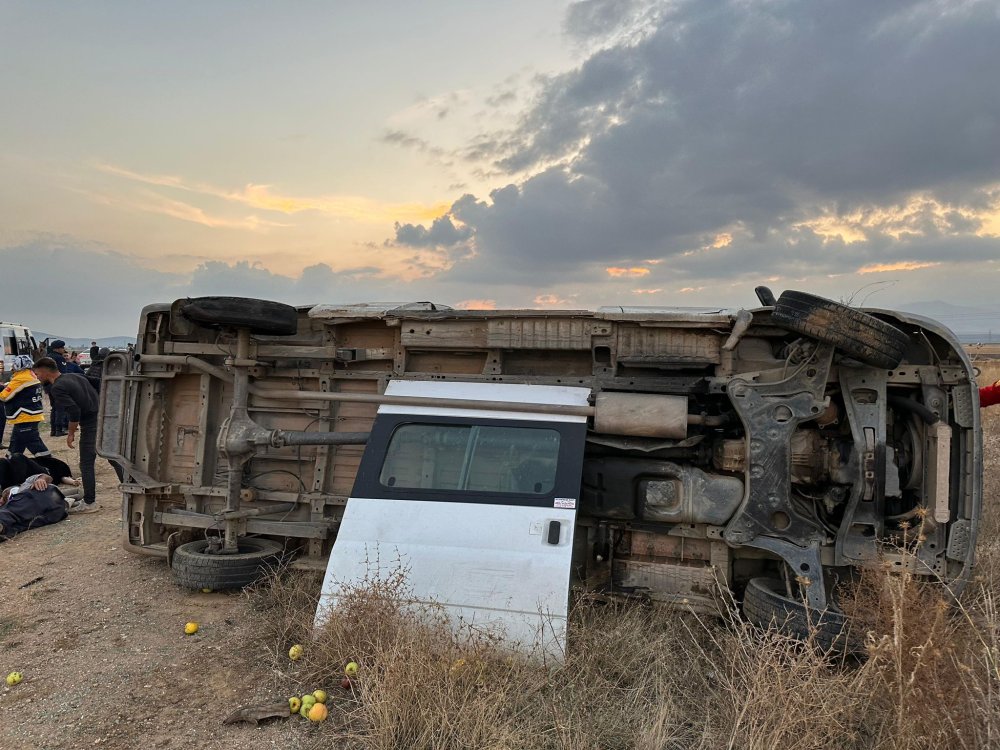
{"x":564,"y":502}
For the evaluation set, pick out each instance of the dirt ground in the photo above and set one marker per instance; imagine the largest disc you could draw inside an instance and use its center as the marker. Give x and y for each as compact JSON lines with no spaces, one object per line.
{"x":99,"y":635}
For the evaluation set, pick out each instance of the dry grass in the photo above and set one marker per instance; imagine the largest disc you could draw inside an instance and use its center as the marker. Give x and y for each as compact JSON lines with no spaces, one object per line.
{"x":654,"y":679}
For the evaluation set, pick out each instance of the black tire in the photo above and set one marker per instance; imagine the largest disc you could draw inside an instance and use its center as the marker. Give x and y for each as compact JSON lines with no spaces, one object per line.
{"x":259,"y":315}
{"x":194,"y":569}
{"x":857,"y":334}
{"x":766,"y":605}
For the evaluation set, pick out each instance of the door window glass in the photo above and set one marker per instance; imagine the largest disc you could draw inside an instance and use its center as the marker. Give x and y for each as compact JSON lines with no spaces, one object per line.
{"x":478,"y":458}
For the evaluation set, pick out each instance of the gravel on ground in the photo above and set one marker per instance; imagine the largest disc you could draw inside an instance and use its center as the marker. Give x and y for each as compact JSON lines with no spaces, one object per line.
{"x":98,"y":634}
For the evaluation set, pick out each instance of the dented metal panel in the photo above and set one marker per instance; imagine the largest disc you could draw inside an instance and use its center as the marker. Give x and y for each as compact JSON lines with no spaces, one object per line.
{"x":540,"y":333}
{"x":639,"y":345}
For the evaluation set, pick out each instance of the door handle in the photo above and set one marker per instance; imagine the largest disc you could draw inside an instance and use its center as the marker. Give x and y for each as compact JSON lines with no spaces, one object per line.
{"x":554,"y":532}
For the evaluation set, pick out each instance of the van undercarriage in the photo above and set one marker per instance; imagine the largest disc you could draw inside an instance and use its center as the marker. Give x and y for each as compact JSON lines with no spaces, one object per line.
{"x":772,"y":450}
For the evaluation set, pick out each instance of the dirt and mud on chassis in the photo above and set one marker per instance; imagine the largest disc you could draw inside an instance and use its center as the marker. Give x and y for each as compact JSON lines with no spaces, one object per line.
{"x":661,"y":451}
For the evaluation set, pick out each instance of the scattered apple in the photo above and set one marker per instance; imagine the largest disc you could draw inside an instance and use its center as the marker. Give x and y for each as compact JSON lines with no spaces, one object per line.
{"x":317,"y":712}
{"x":294,"y":704}
{"x":320,"y":696}
{"x":346,"y":683}
{"x":295,"y":652}
{"x":13,"y":678}
{"x":351,"y":669}
{"x":191,"y":628}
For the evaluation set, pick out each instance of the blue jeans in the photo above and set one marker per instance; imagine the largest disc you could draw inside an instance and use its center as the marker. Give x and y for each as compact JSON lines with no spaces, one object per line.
{"x":25,"y":437}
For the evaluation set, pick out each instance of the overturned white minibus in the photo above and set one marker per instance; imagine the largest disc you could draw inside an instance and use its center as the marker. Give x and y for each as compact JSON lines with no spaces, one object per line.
{"x":508,"y":457}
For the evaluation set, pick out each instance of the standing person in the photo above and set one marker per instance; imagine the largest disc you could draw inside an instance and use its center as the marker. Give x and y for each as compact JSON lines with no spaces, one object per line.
{"x":95,"y":373}
{"x":22,"y":407}
{"x":94,"y":349}
{"x":57,"y":353}
{"x":77,"y":397}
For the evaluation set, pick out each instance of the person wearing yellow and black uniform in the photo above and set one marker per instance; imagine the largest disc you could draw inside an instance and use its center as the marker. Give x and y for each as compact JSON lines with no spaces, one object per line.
{"x":22,"y":405}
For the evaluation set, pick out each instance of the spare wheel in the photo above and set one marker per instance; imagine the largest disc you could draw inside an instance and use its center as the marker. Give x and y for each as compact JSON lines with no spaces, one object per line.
{"x":194,"y":568}
{"x":259,"y":315}
{"x":857,"y":334}
{"x":766,"y":604}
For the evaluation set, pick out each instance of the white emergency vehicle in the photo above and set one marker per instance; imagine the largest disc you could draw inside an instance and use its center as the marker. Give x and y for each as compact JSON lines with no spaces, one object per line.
{"x":17,"y":339}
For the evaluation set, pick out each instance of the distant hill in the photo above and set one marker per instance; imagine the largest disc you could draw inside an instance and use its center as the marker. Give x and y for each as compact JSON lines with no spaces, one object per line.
{"x":112,"y":342}
{"x":971,"y":324}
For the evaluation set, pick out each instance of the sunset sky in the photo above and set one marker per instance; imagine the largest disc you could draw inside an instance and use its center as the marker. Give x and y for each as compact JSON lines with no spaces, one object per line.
{"x":527,"y":153}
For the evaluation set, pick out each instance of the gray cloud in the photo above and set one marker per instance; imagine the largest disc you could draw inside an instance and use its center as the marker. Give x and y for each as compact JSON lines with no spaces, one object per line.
{"x":406,"y":140}
{"x":597,"y":18}
{"x":314,"y":284}
{"x":805,"y":254}
{"x":73,"y":288}
{"x":49,"y":281}
{"x":746,"y":117}
{"x":89,"y":291}
{"x":502,"y":98}
{"x":442,"y":233}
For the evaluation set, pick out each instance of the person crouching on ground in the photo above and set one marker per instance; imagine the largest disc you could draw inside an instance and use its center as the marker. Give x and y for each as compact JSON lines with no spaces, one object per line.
{"x":22,"y":404}
{"x":76,"y":396}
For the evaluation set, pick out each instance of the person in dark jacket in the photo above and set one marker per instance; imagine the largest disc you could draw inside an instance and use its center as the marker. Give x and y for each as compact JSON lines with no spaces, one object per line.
{"x":33,"y":503}
{"x":57,"y":353}
{"x":19,"y":467}
{"x":94,"y":349}
{"x":95,"y":373}
{"x":77,"y":397}
{"x":73,"y":364}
